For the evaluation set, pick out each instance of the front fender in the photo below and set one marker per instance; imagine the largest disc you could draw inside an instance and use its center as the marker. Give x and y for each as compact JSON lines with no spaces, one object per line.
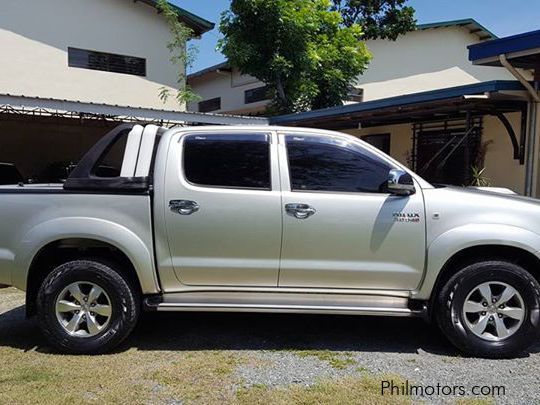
{"x":449,"y":243}
{"x":139,"y":253}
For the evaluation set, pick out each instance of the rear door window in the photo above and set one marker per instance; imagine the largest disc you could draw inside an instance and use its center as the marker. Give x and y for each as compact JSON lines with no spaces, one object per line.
{"x":232,"y":161}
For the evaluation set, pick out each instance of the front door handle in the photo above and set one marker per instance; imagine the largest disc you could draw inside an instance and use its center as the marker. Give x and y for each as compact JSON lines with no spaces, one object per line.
{"x":300,"y":211}
{"x":183,"y":207}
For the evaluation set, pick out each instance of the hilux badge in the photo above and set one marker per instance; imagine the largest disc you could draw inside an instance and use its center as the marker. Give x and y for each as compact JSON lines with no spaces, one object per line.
{"x":406,"y":217}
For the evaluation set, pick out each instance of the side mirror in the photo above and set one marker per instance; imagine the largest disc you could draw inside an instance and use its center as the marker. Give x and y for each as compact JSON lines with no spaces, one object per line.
{"x":400,"y":183}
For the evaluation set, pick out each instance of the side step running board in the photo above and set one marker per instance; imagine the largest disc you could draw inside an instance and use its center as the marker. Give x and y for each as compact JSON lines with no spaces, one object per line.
{"x":347,"y":304}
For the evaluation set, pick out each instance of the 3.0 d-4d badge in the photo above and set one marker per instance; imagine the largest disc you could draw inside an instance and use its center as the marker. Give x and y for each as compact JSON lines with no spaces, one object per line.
{"x":406,"y":217}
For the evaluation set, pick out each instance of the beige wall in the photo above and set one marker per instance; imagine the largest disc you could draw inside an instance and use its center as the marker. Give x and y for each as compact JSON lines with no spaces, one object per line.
{"x":424,"y":60}
{"x":501,"y":169}
{"x":35,"y":35}
{"x":400,"y":139}
{"x":536,"y":157}
{"x":230,"y":86}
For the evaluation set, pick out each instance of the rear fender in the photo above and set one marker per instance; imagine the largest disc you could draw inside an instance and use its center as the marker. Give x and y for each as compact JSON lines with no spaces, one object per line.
{"x":140,"y":255}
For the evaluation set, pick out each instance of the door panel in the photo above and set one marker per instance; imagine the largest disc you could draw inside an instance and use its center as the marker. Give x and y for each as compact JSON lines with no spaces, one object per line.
{"x":369,"y":240}
{"x":233,"y":236}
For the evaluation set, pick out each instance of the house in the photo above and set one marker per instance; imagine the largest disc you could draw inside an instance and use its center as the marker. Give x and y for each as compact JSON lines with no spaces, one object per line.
{"x":71,"y":69}
{"x":432,"y":57}
{"x":449,"y":134}
{"x":422,"y":101}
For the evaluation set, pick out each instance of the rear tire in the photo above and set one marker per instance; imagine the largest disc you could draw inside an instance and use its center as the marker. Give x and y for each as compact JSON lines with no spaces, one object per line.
{"x":86,"y":307}
{"x":472,"y":312}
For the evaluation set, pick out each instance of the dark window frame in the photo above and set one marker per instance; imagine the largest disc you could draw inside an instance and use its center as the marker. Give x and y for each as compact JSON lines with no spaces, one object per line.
{"x":205,"y":106}
{"x":256,"y":95}
{"x":107,"y":62}
{"x":356,"y":95}
{"x":387,"y":141}
{"x":267,"y":138}
{"x":318,"y":140}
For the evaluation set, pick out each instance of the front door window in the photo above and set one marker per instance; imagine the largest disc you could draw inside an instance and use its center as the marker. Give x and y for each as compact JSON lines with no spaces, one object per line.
{"x":332,"y":165}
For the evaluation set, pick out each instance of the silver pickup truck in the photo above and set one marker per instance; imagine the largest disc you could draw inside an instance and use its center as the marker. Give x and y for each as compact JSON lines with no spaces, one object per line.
{"x":267,"y":219}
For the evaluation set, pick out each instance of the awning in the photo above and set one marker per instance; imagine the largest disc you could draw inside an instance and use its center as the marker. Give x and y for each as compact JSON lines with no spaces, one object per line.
{"x":488,"y":98}
{"x":521,"y":50}
{"x":477,"y":98}
{"x":13,"y":104}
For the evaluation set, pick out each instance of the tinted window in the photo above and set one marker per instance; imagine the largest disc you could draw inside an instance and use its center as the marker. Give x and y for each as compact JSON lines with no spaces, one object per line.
{"x":327,"y":164}
{"x":255,"y":95}
{"x":108,"y":62}
{"x":241,"y":161}
{"x":210,"y":105}
{"x":381,"y":142}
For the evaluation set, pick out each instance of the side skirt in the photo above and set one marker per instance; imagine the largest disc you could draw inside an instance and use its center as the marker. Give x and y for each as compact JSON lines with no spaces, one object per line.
{"x":345,"y":304}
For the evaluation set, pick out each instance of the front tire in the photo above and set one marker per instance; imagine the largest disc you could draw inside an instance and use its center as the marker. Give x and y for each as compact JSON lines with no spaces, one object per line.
{"x":490,"y":309}
{"x":86,"y":307}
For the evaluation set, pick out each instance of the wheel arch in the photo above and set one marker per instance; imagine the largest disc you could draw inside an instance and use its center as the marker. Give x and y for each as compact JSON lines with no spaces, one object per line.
{"x":459,"y":241}
{"x":484,"y":252}
{"x":67,"y":249}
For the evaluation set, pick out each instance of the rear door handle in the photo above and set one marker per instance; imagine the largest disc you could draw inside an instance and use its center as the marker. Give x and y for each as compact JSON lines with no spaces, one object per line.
{"x":183,"y":207}
{"x":300,"y":211}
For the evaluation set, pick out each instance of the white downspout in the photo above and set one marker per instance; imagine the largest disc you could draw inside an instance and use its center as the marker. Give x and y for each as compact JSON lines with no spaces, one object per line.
{"x":531,"y":139}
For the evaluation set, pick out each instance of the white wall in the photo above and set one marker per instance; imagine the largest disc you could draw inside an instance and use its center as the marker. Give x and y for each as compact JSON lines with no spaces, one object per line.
{"x":230,"y":86}
{"x":35,"y":35}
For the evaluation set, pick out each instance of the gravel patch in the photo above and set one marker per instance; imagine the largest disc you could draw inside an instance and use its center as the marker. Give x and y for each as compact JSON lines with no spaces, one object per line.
{"x":284,"y":368}
{"x":406,"y":348}
{"x":519,"y":376}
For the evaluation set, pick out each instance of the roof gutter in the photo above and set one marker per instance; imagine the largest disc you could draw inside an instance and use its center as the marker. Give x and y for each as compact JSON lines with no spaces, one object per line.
{"x":531,"y":144}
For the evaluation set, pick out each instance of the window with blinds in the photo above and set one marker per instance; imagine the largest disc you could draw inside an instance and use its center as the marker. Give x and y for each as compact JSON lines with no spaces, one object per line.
{"x":210,"y":105}
{"x":107,"y":62}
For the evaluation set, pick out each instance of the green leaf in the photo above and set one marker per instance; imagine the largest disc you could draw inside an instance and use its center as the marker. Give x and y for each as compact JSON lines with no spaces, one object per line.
{"x":301,"y":49}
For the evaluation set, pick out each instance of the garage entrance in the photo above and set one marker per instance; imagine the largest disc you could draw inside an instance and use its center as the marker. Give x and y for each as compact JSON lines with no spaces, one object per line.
{"x":42,"y":139}
{"x":44,"y":149}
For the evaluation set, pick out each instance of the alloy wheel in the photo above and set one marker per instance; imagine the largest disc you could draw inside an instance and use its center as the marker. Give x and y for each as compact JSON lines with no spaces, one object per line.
{"x":494,"y":311}
{"x":83,"y":309}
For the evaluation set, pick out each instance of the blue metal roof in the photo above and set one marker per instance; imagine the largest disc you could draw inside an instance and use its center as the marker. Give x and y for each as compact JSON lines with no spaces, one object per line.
{"x":474,"y":27}
{"x":198,"y":24}
{"x":490,"y":50}
{"x":408,"y":99}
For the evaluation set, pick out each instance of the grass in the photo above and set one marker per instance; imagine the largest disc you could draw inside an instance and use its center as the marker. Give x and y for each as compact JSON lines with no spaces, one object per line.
{"x":131,"y":377}
{"x":336,"y":360}
{"x":201,"y":377}
{"x":475,"y":401}
{"x":364,"y":390}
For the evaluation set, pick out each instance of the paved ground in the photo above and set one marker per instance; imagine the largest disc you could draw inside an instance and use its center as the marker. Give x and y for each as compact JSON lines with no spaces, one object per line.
{"x":248,"y":358}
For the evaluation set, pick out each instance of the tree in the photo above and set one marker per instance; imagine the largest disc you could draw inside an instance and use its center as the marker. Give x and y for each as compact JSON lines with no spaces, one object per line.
{"x":182,"y":55}
{"x":301,"y":49}
{"x":384,"y":19}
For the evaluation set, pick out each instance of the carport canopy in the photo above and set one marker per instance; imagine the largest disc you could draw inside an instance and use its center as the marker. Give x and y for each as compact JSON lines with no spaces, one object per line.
{"x":486,"y":98}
